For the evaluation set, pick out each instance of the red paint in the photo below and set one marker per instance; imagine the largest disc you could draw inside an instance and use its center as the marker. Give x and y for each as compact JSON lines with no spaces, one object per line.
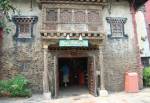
{"x":136,"y":43}
{"x":147,"y":17}
{"x":147,"y":9}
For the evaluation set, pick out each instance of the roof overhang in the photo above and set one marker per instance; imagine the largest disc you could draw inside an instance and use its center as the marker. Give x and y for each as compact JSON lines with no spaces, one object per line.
{"x":97,"y":2}
{"x":137,"y":3}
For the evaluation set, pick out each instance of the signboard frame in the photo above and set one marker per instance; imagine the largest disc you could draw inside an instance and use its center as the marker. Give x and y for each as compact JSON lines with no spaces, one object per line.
{"x":73,"y":43}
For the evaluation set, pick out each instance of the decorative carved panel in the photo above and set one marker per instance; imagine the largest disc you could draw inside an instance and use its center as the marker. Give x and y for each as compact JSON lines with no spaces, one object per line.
{"x":51,"y":15}
{"x":93,"y":27}
{"x":50,"y":26}
{"x":79,"y":16}
{"x":66,"y":16}
{"x":24,"y":26}
{"x":72,"y":20}
{"x":93,"y":2}
{"x":66,"y":27}
{"x":117,"y":27}
{"x":80,"y":27}
{"x":24,"y":30}
{"x":93,"y":16}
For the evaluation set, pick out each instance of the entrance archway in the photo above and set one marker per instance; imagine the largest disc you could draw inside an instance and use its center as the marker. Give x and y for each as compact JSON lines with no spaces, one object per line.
{"x":95,"y":61}
{"x":82,"y":71}
{"x":73,"y":75}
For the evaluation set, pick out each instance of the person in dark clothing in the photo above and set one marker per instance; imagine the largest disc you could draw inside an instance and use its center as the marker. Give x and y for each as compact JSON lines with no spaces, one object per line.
{"x":65,"y":70}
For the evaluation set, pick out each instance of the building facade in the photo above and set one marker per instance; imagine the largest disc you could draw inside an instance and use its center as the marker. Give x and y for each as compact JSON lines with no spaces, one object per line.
{"x":142,"y":22}
{"x":92,"y":34}
{"x":146,"y":59}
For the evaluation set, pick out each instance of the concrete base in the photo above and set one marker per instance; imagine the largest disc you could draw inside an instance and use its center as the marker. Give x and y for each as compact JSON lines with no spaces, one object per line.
{"x":103,"y":93}
{"x":47,"y":95}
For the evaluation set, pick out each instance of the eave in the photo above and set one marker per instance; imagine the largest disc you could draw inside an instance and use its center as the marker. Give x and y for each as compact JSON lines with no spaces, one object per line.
{"x":88,"y":2}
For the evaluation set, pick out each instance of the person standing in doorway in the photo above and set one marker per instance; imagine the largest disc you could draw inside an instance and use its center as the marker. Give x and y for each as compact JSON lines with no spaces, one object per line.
{"x":65,"y":70}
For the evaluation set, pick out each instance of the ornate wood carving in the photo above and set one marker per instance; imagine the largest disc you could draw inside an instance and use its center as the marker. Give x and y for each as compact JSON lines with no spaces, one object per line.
{"x":51,"y":15}
{"x":91,"y":76}
{"x":93,"y":16}
{"x":66,"y":16}
{"x":79,"y":16}
{"x":117,"y":27}
{"x":94,"y":2}
{"x":24,"y":26}
{"x":72,"y":19}
{"x":73,"y":35}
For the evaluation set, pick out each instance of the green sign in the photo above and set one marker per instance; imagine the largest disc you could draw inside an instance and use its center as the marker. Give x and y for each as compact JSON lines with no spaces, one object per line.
{"x":73,"y":43}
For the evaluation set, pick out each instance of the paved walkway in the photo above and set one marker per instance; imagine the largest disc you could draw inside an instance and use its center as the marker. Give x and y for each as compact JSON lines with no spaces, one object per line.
{"x":141,"y":97}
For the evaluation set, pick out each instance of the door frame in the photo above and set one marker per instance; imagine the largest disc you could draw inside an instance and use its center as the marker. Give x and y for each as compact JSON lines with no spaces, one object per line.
{"x":56,"y":71}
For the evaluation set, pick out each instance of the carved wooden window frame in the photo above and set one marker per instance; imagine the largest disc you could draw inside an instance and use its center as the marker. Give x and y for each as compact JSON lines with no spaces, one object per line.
{"x":117,"y":27}
{"x":73,"y":24}
{"x":24,"y":26}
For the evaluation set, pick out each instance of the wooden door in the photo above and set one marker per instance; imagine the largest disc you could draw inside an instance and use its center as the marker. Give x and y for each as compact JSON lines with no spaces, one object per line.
{"x":91,"y":76}
{"x":56,"y":80}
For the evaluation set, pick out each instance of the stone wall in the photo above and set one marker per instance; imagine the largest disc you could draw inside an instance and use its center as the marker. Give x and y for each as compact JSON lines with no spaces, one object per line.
{"x":120,"y":55}
{"x":23,"y":57}
{"x":23,"y":60}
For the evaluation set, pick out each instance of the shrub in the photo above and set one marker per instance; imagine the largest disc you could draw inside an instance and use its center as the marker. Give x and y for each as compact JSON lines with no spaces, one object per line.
{"x":4,"y":88}
{"x":146,"y":76}
{"x":17,"y":86}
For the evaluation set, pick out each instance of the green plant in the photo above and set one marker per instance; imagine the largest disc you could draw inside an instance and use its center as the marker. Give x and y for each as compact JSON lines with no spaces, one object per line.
{"x":2,"y":24}
{"x":6,"y":29}
{"x":17,"y":86}
{"x":146,"y":76}
{"x":4,"y":88}
{"x":5,"y":7}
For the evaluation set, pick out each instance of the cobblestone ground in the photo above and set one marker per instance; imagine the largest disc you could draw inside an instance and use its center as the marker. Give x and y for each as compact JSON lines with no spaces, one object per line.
{"x":141,"y":97}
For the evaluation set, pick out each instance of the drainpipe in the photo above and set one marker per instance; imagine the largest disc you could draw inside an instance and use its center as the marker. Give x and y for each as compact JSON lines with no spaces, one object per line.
{"x":136,"y":43}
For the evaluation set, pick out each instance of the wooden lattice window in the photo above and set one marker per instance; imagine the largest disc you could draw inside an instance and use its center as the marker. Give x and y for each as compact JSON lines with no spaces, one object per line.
{"x":24,"y":30}
{"x":116,"y":27}
{"x":51,"y":19}
{"x":51,"y":15}
{"x":93,"y":16}
{"x":79,"y":16}
{"x":69,"y":19}
{"x":66,"y":16}
{"x":80,"y":20}
{"x":93,"y":20}
{"x":24,"y":26}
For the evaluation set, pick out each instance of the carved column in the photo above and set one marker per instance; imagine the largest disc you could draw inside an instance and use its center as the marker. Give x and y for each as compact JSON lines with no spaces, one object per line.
{"x":102,"y":91}
{"x":46,"y":91}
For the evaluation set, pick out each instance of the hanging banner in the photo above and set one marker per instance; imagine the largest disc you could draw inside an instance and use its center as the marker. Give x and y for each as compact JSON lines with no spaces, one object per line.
{"x":73,"y":43}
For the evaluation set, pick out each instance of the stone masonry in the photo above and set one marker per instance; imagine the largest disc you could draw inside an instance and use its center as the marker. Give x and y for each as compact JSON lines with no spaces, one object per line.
{"x":27,"y":57}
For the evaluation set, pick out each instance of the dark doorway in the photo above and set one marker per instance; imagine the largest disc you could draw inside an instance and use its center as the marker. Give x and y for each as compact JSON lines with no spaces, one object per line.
{"x":73,"y":74}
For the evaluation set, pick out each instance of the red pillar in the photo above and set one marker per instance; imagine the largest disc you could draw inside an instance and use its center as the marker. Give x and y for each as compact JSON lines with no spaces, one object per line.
{"x":147,"y":17}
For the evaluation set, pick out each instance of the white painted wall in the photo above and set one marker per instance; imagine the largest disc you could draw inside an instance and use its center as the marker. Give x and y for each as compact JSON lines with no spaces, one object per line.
{"x":142,"y":33}
{"x":121,"y":9}
{"x":23,"y":8}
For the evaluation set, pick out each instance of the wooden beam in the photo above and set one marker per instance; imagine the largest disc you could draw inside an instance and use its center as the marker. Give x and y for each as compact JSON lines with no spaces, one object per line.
{"x":92,"y":2}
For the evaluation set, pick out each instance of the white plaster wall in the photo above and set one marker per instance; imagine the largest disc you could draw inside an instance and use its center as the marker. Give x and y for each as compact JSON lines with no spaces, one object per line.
{"x":142,"y":33}
{"x":23,"y":8}
{"x":120,"y":9}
